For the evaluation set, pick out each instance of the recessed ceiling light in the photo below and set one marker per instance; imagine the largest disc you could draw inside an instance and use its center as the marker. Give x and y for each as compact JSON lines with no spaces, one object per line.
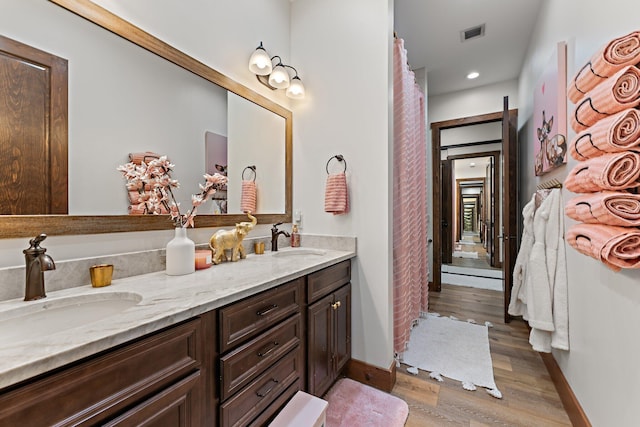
{"x":472,"y":165}
{"x":473,"y":75}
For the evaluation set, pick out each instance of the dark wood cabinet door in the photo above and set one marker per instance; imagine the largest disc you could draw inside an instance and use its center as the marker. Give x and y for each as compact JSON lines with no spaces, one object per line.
{"x":320,"y":343}
{"x":342,"y":327}
{"x":176,"y":406}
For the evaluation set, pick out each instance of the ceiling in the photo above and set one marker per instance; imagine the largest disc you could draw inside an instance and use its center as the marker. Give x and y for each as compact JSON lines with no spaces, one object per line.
{"x":431,"y":31}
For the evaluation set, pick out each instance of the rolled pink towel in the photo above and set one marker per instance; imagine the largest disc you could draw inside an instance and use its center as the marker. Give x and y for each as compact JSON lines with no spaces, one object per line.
{"x":616,"y":247}
{"x":608,"y":207}
{"x":249,"y":196}
{"x":615,"y":94}
{"x":616,"y":54}
{"x":616,"y":133}
{"x":617,"y":171}
{"x":336,"y":196}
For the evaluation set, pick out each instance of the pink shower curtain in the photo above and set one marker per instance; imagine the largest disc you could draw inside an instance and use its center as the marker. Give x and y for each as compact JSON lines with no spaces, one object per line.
{"x":409,"y":200}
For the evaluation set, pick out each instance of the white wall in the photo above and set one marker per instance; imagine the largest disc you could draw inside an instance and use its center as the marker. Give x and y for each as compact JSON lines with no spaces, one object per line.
{"x":473,"y":133}
{"x":225,"y":34}
{"x":604,"y":307}
{"x":472,"y":102}
{"x":344,"y":50}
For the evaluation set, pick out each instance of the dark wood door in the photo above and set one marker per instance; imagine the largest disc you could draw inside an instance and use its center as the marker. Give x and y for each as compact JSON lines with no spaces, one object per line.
{"x":33,"y":130}
{"x":491,"y":220}
{"x":509,"y":197}
{"x":176,"y":406}
{"x":342,"y":327}
{"x":446,"y":222}
{"x":320,"y":342}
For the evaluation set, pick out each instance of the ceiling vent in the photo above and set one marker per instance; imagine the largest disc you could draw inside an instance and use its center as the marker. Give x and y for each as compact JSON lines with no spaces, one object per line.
{"x":472,"y":33}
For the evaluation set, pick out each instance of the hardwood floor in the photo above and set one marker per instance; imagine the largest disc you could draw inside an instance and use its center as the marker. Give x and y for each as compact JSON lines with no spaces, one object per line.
{"x":529,"y":396}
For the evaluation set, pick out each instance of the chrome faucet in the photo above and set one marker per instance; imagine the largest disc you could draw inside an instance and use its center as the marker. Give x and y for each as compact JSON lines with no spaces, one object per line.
{"x":274,"y":236}
{"x":37,"y":263}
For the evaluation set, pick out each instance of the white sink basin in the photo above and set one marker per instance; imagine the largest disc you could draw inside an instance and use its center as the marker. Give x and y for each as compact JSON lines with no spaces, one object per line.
{"x":298,"y":251}
{"x":51,"y":315}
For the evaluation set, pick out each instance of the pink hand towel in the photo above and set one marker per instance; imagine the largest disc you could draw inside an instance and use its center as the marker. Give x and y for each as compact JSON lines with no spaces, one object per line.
{"x":617,"y":171}
{"x":618,"y":53}
{"x":336,"y":196}
{"x":616,"y":247}
{"x":616,"y":133}
{"x":608,"y":207}
{"x":249,"y":196}
{"x":615,"y":94}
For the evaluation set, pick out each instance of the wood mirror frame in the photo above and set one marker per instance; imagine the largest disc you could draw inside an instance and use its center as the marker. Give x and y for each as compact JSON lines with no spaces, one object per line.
{"x":29,"y":225}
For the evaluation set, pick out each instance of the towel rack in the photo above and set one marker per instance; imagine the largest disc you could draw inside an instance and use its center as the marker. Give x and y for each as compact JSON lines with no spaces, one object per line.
{"x":552,"y":183}
{"x":340,"y":158}
{"x":253,"y":168}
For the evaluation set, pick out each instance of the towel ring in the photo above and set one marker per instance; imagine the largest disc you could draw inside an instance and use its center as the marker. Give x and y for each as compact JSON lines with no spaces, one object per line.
{"x":340,"y":158}
{"x":253,"y":168}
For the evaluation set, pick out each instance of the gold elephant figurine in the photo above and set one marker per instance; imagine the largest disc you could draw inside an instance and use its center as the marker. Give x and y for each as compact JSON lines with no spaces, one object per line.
{"x":231,"y":240}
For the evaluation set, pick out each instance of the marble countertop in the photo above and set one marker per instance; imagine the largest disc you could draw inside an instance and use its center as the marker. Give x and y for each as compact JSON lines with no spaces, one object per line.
{"x":165,"y":300}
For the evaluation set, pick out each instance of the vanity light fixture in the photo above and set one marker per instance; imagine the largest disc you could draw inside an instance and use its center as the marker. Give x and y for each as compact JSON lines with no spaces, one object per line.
{"x":275,"y":76}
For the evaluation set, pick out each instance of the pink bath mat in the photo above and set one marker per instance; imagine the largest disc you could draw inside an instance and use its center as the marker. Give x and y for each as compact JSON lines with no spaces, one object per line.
{"x":352,"y":404}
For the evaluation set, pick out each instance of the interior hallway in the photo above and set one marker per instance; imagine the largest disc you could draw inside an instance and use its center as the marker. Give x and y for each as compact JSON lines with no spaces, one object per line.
{"x":529,"y":396}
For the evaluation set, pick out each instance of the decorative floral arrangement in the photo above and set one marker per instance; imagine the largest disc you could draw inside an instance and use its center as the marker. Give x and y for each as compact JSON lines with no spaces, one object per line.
{"x":154,"y":186}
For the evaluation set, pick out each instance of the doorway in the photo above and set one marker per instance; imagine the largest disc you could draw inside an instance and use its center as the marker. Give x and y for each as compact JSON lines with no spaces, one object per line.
{"x":505,"y":198}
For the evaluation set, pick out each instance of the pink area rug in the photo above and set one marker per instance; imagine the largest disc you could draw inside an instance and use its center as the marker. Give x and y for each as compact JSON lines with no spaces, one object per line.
{"x":352,"y":404}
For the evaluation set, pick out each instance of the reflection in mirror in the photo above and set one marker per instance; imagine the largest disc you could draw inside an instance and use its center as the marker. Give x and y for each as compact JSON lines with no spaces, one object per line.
{"x":124,"y":99}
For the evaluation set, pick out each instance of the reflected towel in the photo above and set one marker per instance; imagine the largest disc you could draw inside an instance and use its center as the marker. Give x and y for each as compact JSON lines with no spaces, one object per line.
{"x":616,"y":247}
{"x":609,"y":207}
{"x":336,"y":196}
{"x":146,"y":157}
{"x":249,"y":196}
{"x":615,"y":94}
{"x":617,"y":171}
{"x":616,"y":133}
{"x":617,"y":54}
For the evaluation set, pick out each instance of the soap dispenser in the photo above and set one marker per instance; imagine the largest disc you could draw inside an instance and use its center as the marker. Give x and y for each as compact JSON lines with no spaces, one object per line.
{"x":295,"y":236}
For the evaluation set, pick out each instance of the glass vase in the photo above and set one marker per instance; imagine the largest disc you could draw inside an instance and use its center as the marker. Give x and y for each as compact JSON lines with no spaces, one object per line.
{"x":181,"y":255}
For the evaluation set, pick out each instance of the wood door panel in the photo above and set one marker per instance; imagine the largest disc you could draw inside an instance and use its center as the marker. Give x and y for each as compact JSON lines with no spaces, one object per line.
{"x":510,"y":199}
{"x":33,"y":130}
{"x":342,"y":344}
{"x":320,"y":341}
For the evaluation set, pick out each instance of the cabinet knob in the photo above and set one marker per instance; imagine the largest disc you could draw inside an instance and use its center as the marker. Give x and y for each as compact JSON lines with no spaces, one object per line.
{"x":336,"y":305}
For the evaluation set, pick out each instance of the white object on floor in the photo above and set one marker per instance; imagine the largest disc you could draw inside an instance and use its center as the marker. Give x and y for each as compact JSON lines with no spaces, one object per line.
{"x":457,"y":350}
{"x":495,"y":393}
{"x":436,"y":376}
{"x":303,"y":410}
{"x":412,"y":370}
{"x":488,"y":324}
{"x":463,"y":254}
{"x":468,"y":386}
{"x":472,"y":281}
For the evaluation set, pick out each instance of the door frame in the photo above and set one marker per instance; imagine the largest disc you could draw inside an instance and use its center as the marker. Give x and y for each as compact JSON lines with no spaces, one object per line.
{"x":436,"y":129}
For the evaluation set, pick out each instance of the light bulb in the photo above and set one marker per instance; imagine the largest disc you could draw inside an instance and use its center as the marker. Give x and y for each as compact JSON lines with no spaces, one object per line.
{"x":279,"y":78}
{"x":260,"y":62}
{"x":473,"y":75}
{"x":296,"y":89}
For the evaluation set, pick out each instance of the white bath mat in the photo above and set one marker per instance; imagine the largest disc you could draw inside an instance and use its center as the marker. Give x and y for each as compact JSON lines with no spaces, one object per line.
{"x":463,"y":254}
{"x":456,"y":349}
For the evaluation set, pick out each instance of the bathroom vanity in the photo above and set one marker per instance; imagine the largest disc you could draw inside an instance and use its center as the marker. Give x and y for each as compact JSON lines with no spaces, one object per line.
{"x":225,"y":346}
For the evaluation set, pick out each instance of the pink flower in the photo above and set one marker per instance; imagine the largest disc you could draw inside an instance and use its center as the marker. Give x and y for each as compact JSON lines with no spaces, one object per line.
{"x":154,"y":184}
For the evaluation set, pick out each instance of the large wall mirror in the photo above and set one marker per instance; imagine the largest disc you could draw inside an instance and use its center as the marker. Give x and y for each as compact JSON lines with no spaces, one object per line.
{"x":130,"y":92}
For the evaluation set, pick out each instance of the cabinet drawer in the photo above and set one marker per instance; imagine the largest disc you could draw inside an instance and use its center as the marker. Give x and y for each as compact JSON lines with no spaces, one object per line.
{"x":100,"y":388}
{"x":247,"y":318}
{"x":245,"y":406}
{"x":246,"y":362}
{"x":270,"y":413}
{"x":327,"y":280}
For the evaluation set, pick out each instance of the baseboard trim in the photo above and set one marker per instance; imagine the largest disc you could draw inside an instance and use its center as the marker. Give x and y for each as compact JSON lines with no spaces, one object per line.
{"x":569,"y":401}
{"x":380,"y":378}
